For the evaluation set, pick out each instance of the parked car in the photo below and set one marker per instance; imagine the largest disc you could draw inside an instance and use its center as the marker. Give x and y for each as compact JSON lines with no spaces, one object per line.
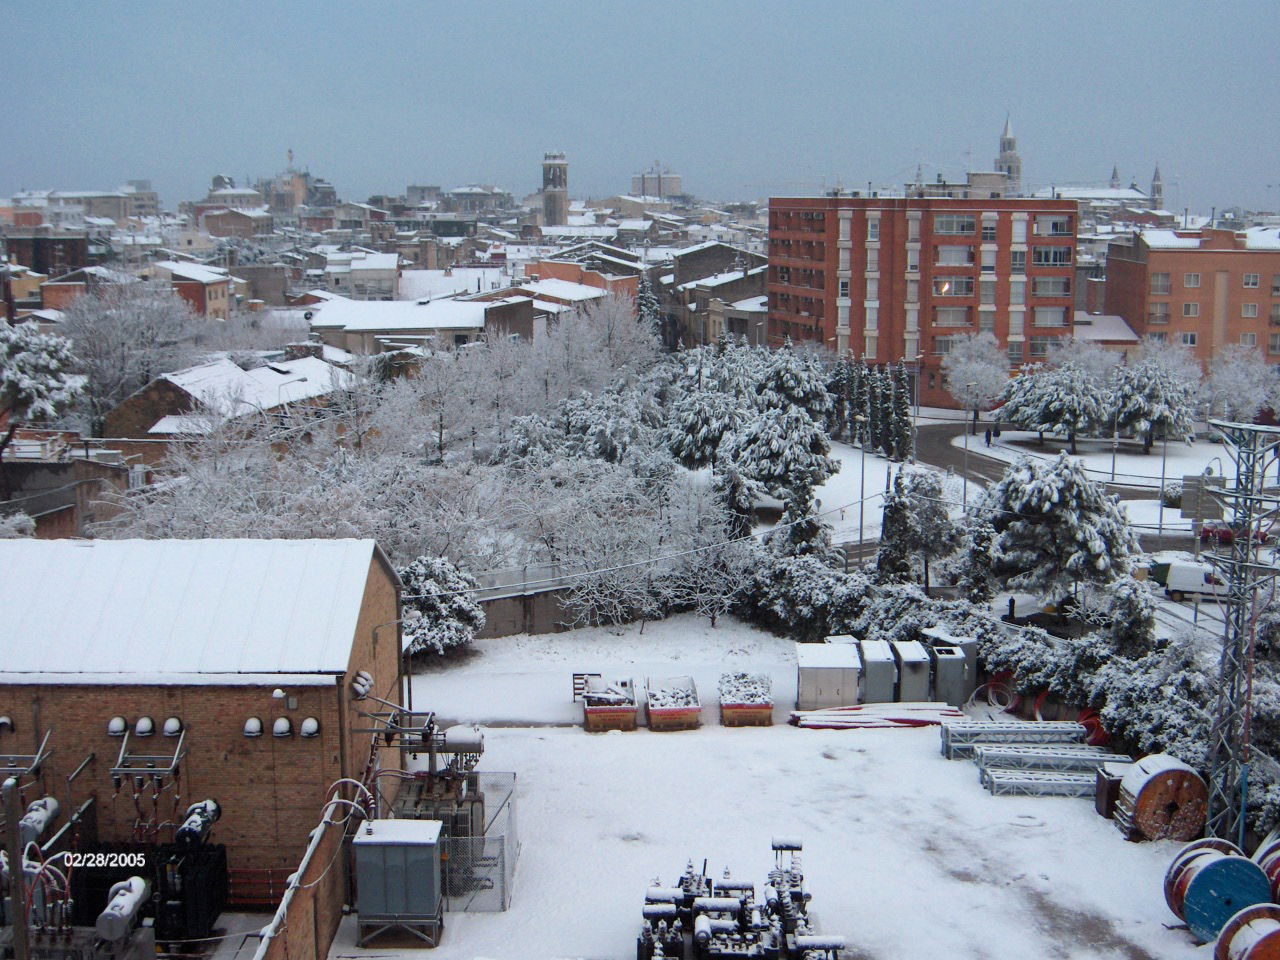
{"x":1183,"y":580}
{"x":1222,"y":533}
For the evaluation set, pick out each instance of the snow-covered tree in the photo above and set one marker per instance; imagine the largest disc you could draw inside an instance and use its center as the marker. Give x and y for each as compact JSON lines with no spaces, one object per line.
{"x":1055,"y":528}
{"x":736,"y":493}
{"x":126,"y":334}
{"x":859,"y":410}
{"x":976,"y":578}
{"x":709,"y":564}
{"x":699,"y":422}
{"x":976,"y":370}
{"x":443,"y":596}
{"x":1065,"y":400}
{"x":795,"y":378}
{"x":1156,"y":392}
{"x":15,"y":525}
{"x":1240,"y":384}
{"x":903,"y":428}
{"x":915,"y":525}
{"x":1097,"y":362}
{"x":36,"y":382}
{"x":873,"y":412}
{"x":840,"y":387}
{"x":782,"y":449}
{"x":648,"y":307}
{"x":801,"y":531}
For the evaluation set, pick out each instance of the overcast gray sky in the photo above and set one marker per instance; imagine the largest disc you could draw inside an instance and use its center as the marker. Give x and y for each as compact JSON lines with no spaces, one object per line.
{"x":743,"y":98}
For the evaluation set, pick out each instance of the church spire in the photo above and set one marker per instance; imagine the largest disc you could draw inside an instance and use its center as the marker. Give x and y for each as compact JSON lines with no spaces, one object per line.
{"x":1115,"y":177}
{"x":1157,"y":189}
{"x":1009,"y":163}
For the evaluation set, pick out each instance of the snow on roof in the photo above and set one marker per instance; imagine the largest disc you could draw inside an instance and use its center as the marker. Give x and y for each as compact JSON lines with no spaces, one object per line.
{"x":561,"y":289}
{"x":1169,"y":240}
{"x":430,"y":284}
{"x":102,"y":273}
{"x":367,"y":315}
{"x":635,"y":225}
{"x":398,"y":832}
{"x":752,"y":304}
{"x":706,"y":245}
{"x":181,"y":426}
{"x":45,"y":315}
{"x":1263,"y":238}
{"x":1102,"y":327}
{"x":717,"y":279}
{"x":360,"y":260}
{"x":222,"y":386}
{"x":193,"y":272}
{"x":546,"y":306}
{"x":149,"y":607}
{"x":826,"y":655}
{"x":1090,"y":193}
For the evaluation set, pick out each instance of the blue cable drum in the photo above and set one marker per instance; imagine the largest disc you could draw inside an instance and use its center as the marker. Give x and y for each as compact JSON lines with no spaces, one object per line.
{"x":1209,"y":886}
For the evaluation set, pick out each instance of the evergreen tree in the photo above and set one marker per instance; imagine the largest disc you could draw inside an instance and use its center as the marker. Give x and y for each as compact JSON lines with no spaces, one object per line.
{"x":441,"y":593}
{"x":793,"y":379}
{"x":36,"y":382}
{"x":801,"y":531}
{"x":1065,"y":399}
{"x":915,"y":524}
{"x":736,"y":494}
{"x":1055,"y":528}
{"x":885,"y":428}
{"x":903,"y":432}
{"x":977,"y":580}
{"x":838,"y":386}
{"x":1156,"y":393}
{"x":699,"y":421}
{"x":783,"y":450}
{"x":893,"y":559}
{"x":648,"y":307}
{"x":873,"y":410}
{"x":858,"y":431}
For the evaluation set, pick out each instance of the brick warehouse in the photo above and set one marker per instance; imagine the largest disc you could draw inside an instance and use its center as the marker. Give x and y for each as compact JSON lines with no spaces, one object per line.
{"x":895,"y":277}
{"x":103,"y":637}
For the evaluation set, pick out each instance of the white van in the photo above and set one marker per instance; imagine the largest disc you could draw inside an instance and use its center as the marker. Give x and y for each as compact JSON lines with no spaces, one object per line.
{"x":1194,"y":581}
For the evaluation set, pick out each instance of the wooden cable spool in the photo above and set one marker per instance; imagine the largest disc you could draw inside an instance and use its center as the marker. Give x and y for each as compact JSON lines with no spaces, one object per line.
{"x":1162,"y":798}
{"x":1269,"y":861}
{"x":1209,"y":882}
{"x":1251,"y":934}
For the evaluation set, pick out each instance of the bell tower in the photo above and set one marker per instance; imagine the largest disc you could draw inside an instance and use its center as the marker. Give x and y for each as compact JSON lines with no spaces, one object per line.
{"x":1009,"y":163}
{"x":555,"y":190}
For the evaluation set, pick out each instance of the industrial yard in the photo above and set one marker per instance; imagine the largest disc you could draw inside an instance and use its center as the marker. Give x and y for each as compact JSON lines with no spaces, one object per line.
{"x":905,"y":854}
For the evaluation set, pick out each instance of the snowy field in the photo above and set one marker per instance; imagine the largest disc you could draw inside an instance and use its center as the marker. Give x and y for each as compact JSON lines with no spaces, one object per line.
{"x":1133,"y":468}
{"x":905,"y":854}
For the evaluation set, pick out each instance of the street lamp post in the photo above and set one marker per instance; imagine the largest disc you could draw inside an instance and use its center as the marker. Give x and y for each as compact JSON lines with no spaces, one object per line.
{"x":1164,"y":459}
{"x":915,"y":423}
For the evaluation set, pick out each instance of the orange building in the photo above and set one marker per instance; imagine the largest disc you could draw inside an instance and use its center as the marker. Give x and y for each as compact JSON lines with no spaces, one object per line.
{"x":623,"y":285}
{"x":1201,"y":288}
{"x":898,"y":277}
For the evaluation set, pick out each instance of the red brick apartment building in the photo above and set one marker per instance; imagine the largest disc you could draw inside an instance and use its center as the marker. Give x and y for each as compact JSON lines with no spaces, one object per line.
{"x":1201,"y":288}
{"x":895,"y":277}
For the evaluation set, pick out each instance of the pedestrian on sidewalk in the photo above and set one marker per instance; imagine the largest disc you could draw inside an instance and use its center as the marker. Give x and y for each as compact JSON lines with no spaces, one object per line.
{"x":987,"y":436}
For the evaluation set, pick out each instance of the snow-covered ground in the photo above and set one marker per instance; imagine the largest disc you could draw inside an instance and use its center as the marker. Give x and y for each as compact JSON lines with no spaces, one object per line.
{"x":905,"y":854}
{"x":1133,"y":467}
{"x":1147,"y":517}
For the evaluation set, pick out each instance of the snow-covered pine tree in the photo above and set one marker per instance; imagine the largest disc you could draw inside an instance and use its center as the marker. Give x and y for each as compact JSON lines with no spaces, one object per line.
{"x":916,"y":524}
{"x":977,"y":581}
{"x":1055,"y":528}
{"x":858,"y":406}
{"x":36,"y":382}
{"x":885,"y":428}
{"x":801,"y":532}
{"x":893,"y":558}
{"x":648,"y":308}
{"x":872,"y":425}
{"x":1155,"y":394}
{"x":838,"y":386}
{"x":782,"y":449}
{"x":736,"y":493}
{"x":1065,"y":399}
{"x":699,"y":421}
{"x":442,"y":593}
{"x":790,"y":378}
{"x":903,"y":432}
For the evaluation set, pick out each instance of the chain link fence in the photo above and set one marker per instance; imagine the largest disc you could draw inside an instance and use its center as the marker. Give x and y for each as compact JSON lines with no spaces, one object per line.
{"x":478,"y":871}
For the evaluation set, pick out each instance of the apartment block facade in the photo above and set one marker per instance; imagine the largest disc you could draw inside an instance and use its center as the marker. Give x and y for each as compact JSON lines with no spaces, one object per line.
{"x":1204,"y":289}
{"x":904,"y":277}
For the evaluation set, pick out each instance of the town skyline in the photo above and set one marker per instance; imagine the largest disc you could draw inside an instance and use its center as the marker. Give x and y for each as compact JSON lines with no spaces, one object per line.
{"x":744,"y":102}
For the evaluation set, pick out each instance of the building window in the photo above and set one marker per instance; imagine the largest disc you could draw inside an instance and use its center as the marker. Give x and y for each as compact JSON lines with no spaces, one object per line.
{"x":953,"y":287}
{"x":1050,"y":317}
{"x":1251,"y":281}
{"x":1051,"y":286}
{"x":988,"y":231}
{"x":873,"y":261}
{"x":1019,"y":231}
{"x":1018,"y":262}
{"x":913,"y":229}
{"x":784,"y":274}
{"x":873,"y":231}
{"x":1040,"y":345}
{"x":1017,"y":292}
{"x":1159,"y":313}
{"x":953,"y":256}
{"x":1189,"y":338}
{"x":1191,"y":309}
{"x":1249,"y":310}
{"x":942,"y":345}
{"x":844,"y":288}
{"x":913,"y":261}
{"x":988,"y":261}
{"x":1248,"y":339}
{"x":1160,"y":284}
{"x":1275,"y":314}
{"x":873,"y":289}
{"x":1015,"y":353}
{"x":1273,"y":343}
{"x":1191,"y":280}
{"x":954,"y":224}
{"x":987,"y":291}
{"x":1052,"y":256}
{"x":951,"y":316}
{"x":1053,"y":225}
{"x":1275,"y":284}
{"x":913,"y":291}
{"x":987,"y":322}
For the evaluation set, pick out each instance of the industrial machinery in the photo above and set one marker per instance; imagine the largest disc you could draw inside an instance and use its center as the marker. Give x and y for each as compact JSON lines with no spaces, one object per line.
{"x":700,"y":918}
{"x":118,"y":933}
{"x":398,"y":878}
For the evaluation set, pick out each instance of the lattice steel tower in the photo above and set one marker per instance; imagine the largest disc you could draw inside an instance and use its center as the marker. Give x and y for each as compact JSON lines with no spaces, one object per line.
{"x":1251,"y":505}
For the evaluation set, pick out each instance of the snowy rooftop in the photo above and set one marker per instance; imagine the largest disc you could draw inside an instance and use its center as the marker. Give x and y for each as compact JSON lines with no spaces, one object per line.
{"x":752,"y":304}
{"x":561,"y":289}
{"x":1169,"y":240}
{"x":158,"y":608}
{"x":718,"y":279}
{"x":348,"y":261}
{"x":1102,"y":326}
{"x":192,"y":271}
{"x":222,"y":386}
{"x":364,"y":315}
{"x":1092,"y":193}
{"x":430,"y":284}
{"x":839,"y":655}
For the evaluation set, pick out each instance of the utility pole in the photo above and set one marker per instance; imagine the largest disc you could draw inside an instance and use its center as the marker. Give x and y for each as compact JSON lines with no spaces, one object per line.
{"x":17,"y":878}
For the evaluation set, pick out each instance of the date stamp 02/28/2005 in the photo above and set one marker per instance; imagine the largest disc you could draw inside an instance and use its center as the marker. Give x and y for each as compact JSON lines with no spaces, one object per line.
{"x":103,"y":860}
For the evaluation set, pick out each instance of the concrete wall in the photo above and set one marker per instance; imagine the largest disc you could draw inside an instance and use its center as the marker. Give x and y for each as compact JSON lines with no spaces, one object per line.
{"x":532,"y":613}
